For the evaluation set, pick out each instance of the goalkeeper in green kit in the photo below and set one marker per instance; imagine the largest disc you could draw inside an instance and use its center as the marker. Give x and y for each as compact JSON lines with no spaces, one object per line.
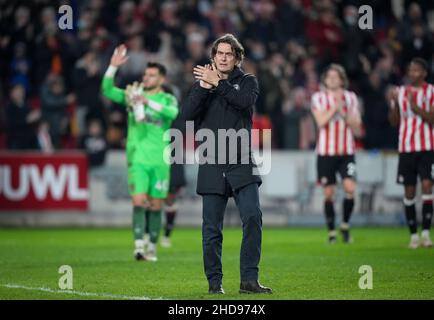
{"x":150,"y":113}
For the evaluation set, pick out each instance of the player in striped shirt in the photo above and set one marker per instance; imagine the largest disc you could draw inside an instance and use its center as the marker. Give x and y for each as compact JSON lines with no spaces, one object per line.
{"x":337,"y":116}
{"x":412,"y":107}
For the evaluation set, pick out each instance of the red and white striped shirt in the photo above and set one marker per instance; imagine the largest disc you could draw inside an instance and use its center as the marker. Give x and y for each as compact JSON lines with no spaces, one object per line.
{"x":415,"y":134}
{"x":335,"y":138}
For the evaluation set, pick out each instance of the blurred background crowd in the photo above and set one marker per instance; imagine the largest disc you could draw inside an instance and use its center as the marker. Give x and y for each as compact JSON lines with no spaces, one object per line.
{"x":50,"y":78}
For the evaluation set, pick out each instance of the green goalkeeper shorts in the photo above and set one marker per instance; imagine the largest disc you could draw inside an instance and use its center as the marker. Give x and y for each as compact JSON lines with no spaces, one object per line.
{"x":152,"y":180}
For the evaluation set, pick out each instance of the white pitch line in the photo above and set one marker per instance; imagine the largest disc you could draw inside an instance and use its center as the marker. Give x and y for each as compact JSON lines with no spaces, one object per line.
{"x":73,"y":292}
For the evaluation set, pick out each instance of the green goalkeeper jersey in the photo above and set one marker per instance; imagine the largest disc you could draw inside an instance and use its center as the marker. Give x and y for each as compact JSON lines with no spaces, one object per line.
{"x":145,"y":142}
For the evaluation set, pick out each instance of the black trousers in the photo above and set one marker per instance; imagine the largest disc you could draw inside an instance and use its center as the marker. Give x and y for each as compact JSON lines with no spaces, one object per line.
{"x":214,"y":205}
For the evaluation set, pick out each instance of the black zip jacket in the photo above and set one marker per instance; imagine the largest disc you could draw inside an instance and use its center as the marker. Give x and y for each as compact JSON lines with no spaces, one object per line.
{"x":228,"y":106}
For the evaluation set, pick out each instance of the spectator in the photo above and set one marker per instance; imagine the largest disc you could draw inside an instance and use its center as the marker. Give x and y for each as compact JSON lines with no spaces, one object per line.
{"x":413,"y":16}
{"x":20,"y":66}
{"x":356,"y":42}
{"x":54,"y":103}
{"x":22,"y":30}
{"x":262,"y":27}
{"x":325,"y":34}
{"x":138,"y":58}
{"x":116,"y":131}
{"x":49,"y":48}
{"x":223,"y":18}
{"x":45,"y":144}
{"x":291,"y":19}
{"x":378,"y":132}
{"x":20,"y":121}
{"x":94,"y":143}
{"x":87,"y":81}
{"x":420,"y":44}
{"x":295,"y":109}
{"x":196,"y":48}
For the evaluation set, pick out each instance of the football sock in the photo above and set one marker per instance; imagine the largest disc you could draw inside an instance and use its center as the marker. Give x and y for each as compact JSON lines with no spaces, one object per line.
{"x":348,"y":206}
{"x":330,"y":214}
{"x":147,"y":221}
{"x":410,"y":214}
{"x":425,"y":234}
{"x":154,"y":225}
{"x":170,"y":222}
{"x":138,"y":222}
{"x":427,"y":211}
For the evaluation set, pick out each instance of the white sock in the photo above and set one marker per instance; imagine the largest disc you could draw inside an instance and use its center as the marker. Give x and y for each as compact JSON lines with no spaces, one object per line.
{"x":152,"y":246}
{"x":139,"y":244}
{"x":345,"y":226}
{"x":146,"y":238}
{"x":425,"y":234}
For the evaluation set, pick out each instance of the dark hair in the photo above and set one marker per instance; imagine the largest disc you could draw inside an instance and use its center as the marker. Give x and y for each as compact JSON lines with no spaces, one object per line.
{"x":341,"y":72}
{"x":161,"y":68}
{"x":236,"y":46}
{"x":421,"y":62}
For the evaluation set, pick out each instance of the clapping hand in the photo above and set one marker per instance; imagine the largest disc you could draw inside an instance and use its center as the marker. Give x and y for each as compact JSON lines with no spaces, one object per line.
{"x":339,"y":105}
{"x":138,"y":99}
{"x":207,"y":75}
{"x":412,"y":100}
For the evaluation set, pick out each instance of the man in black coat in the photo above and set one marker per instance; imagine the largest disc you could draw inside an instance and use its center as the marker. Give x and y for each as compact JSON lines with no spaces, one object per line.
{"x":223,"y":99}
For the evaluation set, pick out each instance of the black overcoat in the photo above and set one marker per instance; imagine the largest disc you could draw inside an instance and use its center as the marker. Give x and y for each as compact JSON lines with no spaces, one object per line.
{"x":227,"y":106}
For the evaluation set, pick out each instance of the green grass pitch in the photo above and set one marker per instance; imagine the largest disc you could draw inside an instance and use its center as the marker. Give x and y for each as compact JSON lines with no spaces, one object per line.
{"x":296,"y":263}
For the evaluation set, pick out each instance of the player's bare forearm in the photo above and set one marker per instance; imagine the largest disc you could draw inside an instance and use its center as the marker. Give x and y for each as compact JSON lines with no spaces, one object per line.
{"x":355,"y":123}
{"x":323,"y":117}
{"x":426,"y":116}
{"x":394,"y":115}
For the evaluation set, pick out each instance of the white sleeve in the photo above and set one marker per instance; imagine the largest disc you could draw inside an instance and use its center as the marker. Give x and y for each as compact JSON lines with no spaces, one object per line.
{"x":355,"y":103}
{"x":155,"y":105}
{"x":111,"y":71}
{"x":315,"y":103}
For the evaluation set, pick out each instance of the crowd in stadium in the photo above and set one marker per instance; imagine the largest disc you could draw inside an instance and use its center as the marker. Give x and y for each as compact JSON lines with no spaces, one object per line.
{"x":50,"y":78}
